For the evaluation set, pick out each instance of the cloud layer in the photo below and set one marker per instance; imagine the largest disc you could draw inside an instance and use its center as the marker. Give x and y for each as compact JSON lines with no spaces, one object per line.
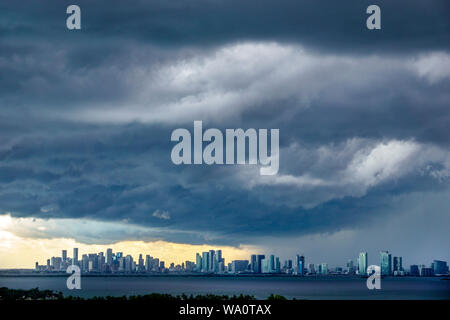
{"x":87,"y":117}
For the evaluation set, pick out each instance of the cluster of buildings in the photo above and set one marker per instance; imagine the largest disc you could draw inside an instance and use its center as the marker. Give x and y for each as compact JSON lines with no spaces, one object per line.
{"x":393,"y":266}
{"x":109,"y":262}
{"x":212,"y":262}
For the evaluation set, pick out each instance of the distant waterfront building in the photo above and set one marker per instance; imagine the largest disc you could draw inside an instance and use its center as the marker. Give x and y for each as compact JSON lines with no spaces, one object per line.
{"x":254,"y":263}
{"x":239,"y":266}
{"x":397,"y":264}
{"x":265,"y":266}
{"x":311,"y":268}
{"x":198,"y":262}
{"x":414,"y":270}
{"x":85,"y":263}
{"x":362,"y":263}
{"x":128,"y":263}
{"x":425,"y":272}
{"x":440,"y":267}
{"x":222,"y":266}
{"x":64,"y":255}
{"x":140,"y":263}
{"x":109,"y":257}
{"x":75,"y":256}
{"x":56,"y":263}
{"x":211,"y":260}
{"x":205,"y":261}
{"x":324,"y":269}
{"x":271,"y":263}
{"x":101,"y":262}
{"x":350,"y":267}
{"x":148,"y":263}
{"x":259,"y":259}
{"x":386,"y":263}
{"x":299,"y":265}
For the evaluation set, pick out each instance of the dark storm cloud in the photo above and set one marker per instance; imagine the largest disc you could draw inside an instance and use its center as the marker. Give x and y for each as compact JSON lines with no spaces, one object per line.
{"x":337,"y":25}
{"x":87,"y":116}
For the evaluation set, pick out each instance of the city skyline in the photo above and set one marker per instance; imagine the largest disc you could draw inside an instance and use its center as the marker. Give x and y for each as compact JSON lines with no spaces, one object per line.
{"x":212,"y":261}
{"x":163,"y":248}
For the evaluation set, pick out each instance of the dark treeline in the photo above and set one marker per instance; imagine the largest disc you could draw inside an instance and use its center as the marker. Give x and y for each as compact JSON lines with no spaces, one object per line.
{"x":7,"y":294}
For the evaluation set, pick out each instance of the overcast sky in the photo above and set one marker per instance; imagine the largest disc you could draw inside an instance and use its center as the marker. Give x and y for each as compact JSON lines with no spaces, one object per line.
{"x":364,"y":119}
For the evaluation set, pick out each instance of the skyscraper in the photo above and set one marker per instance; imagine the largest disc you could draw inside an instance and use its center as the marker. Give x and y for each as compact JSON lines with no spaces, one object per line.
{"x":205,"y":261}
{"x":271,"y":263}
{"x":198,"y":262}
{"x":64,"y":255}
{"x":324,"y":269}
{"x":211,"y":260}
{"x":109,"y":257}
{"x":302,"y":265}
{"x":386,"y":263}
{"x":440,"y":267}
{"x":350,"y":267}
{"x":362,"y":263}
{"x":397,"y":264}
{"x":299,"y":264}
{"x":254,"y":263}
{"x":75,"y":256}
{"x":259,"y":259}
{"x":140,"y":263}
{"x":277,"y":265}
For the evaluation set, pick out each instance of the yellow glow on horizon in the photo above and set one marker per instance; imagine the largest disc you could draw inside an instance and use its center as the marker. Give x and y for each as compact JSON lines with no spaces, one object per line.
{"x":23,"y":252}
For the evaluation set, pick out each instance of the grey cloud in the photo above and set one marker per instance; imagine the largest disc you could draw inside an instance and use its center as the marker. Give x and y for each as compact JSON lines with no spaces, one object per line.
{"x":87,"y":116}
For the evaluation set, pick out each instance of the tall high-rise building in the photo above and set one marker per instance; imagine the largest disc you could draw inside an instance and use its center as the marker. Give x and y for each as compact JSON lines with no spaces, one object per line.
{"x":64,"y":255}
{"x":350,"y":267}
{"x":205,"y":261}
{"x":440,"y":267}
{"x":386,"y":263}
{"x":254,"y":263}
{"x":75,"y":256}
{"x":140,"y":263}
{"x":100,"y":262}
{"x":362,"y":263}
{"x":109,"y":257}
{"x":148,"y":263}
{"x":129,"y":263}
{"x":219,"y":255}
{"x":56,"y":263}
{"x":211,"y":257}
{"x":198,"y":262}
{"x":259,"y":259}
{"x":85,"y":263}
{"x":324,"y":269}
{"x":277,"y":265}
{"x":271,"y":263}
{"x":397,"y":264}
{"x":299,"y":264}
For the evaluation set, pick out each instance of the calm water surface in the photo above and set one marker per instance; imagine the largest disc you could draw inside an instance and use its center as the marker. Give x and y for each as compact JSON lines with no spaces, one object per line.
{"x":260,"y":287}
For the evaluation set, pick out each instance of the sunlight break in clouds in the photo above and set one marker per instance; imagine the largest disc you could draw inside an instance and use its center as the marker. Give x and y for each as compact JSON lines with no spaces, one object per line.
{"x":23,"y":241}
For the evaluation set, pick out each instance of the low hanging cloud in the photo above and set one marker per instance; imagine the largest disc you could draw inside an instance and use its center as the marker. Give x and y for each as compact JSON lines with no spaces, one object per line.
{"x":353,"y":168}
{"x":161,"y":214}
